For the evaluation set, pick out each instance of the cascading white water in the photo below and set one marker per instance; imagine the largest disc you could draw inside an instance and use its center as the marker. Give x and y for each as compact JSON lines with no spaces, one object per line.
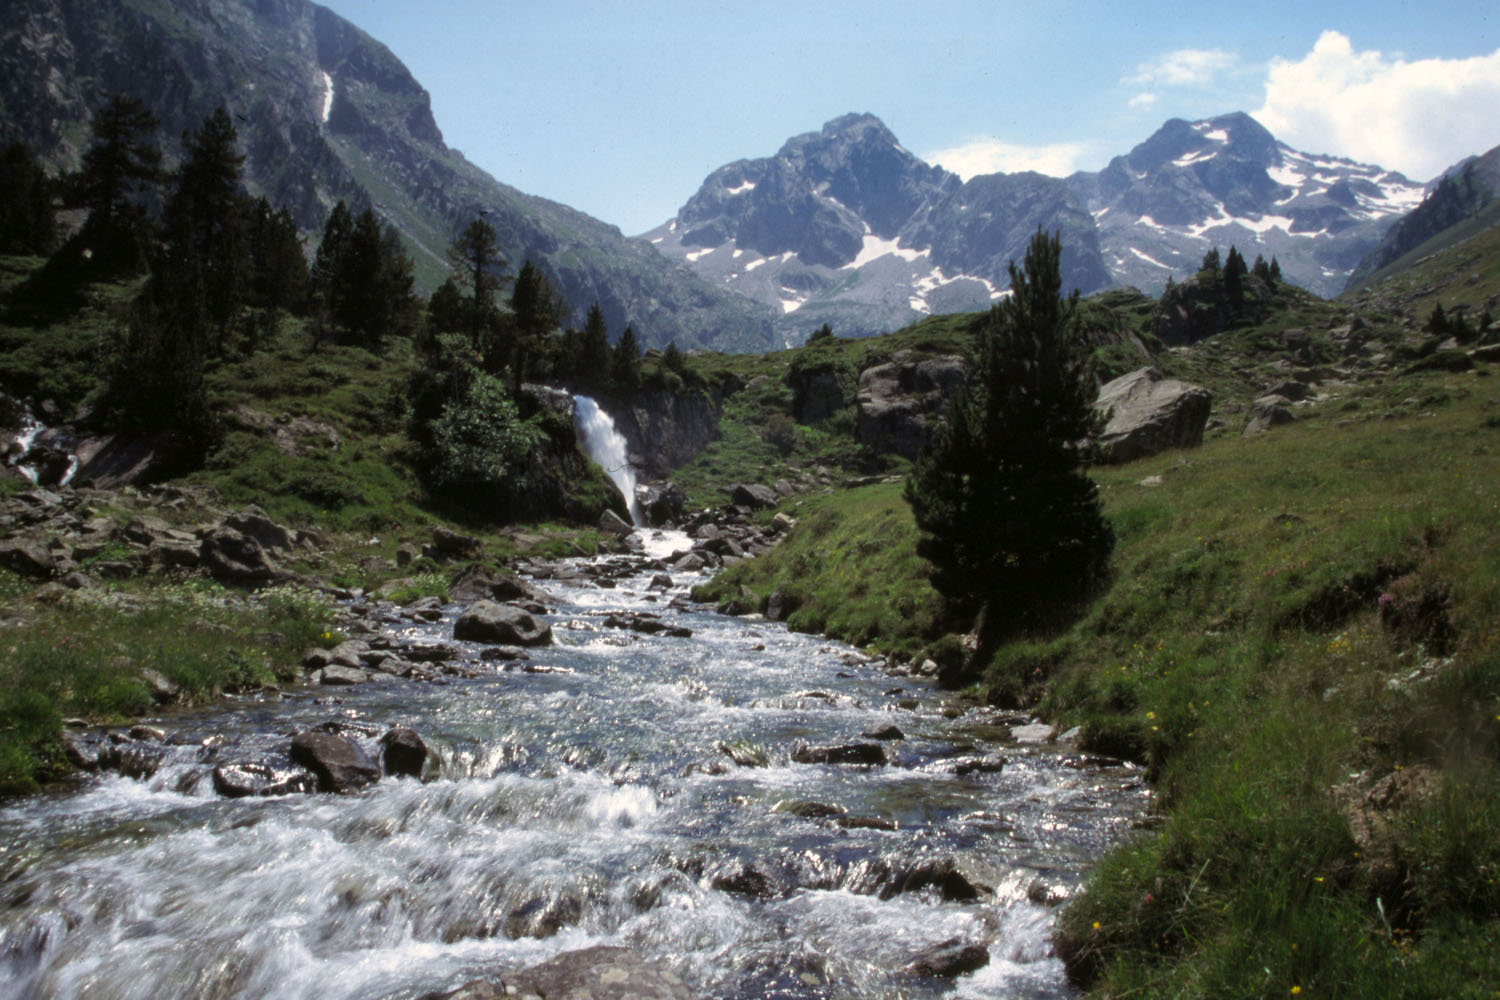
{"x":606,"y":446}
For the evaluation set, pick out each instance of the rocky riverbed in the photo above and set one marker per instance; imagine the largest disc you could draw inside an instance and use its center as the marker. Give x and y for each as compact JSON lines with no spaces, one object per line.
{"x":604,"y":788}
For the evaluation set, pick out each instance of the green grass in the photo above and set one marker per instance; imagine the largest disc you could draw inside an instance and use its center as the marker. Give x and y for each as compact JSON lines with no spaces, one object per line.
{"x":84,"y":654}
{"x":1239,"y":653}
{"x":850,"y":567}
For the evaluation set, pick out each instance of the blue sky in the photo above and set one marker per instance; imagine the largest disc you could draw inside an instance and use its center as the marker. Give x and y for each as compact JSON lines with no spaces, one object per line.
{"x":621,"y":109}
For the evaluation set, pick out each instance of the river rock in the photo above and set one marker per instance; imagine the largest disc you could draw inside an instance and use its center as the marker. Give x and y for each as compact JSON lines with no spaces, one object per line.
{"x":887,"y":732}
{"x":844,"y":753}
{"x":949,"y":959}
{"x":486,"y":621}
{"x":248,"y":778}
{"x":600,"y":973}
{"x":403,"y":752}
{"x":338,"y":762}
{"x":1147,"y":414}
{"x":613,"y":524}
{"x":336,"y":674}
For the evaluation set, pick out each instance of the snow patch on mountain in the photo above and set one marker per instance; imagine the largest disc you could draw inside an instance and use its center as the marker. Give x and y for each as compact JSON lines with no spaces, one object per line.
{"x":327,"y":96}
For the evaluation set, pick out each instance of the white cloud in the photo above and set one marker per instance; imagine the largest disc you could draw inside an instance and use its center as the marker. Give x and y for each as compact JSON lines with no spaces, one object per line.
{"x":1142,"y":101}
{"x":1184,"y":68}
{"x":991,"y":156}
{"x":1416,"y":117}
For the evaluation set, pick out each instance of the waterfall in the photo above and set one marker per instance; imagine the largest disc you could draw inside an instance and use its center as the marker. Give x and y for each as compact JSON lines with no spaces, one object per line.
{"x":606,"y":446}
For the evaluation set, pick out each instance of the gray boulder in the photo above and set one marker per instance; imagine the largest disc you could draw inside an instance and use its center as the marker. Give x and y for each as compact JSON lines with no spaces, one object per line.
{"x":1146,"y":414}
{"x":403,"y":752}
{"x":234,"y":557}
{"x":752,"y":495}
{"x":486,"y":621}
{"x":253,"y":522}
{"x":899,"y":400}
{"x":613,"y":524}
{"x":949,"y":959}
{"x":1267,"y":412}
{"x":28,"y":557}
{"x":336,"y":761}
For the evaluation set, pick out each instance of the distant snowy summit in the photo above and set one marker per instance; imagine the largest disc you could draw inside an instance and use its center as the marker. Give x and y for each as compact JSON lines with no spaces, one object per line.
{"x":1227,"y":181}
{"x":847,"y":227}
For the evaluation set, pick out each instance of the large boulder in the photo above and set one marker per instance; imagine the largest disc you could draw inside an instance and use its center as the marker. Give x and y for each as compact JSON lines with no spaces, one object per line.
{"x":899,"y":400}
{"x":337,"y":761}
{"x":1146,"y":414}
{"x":234,"y":557}
{"x":254,"y":523}
{"x":487,"y":621}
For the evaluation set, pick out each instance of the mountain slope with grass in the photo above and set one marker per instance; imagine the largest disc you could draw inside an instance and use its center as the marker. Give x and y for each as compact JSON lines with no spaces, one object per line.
{"x":327,"y":113}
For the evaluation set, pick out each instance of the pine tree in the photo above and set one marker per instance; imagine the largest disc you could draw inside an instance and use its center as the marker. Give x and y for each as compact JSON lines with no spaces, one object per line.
{"x":594,"y":354}
{"x":1211,"y":262}
{"x":119,"y":176}
{"x":1234,"y":275}
{"x":1009,"y":521}
{"x":27,"y":221}
{"x":446,"y":310}
{"x":672,"y":359}
{"x":203,"y":264}
{"x":479,"y":266}
{"x":626,"y":363}
{"x":536,"y":311}
{"x":1275,"y":270}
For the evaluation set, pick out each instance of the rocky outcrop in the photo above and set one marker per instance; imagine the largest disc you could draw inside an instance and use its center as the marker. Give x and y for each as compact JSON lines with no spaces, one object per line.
{"x":899,"y":400}
{"x":1146,"y":414}
{"x":664,"y":429}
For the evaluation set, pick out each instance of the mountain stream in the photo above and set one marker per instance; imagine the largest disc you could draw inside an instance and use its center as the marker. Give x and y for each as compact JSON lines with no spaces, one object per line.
{"x":617,"y":788}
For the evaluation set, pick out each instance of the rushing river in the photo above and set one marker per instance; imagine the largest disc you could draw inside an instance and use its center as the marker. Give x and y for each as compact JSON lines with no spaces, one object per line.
{"x":592,"y":804}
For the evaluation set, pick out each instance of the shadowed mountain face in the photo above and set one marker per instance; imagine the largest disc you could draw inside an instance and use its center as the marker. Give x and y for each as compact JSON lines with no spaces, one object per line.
{"x":324,"y":112}
{"x":1464,"y":199}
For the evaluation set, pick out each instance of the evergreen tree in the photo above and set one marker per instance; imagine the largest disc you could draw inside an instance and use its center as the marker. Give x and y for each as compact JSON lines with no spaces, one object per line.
{"x":672,"y":359}
{"x":479,"y":266}
{"x":1275,"y":270}
{"x":626,"y":364}
{"x":824,"y":332}
{"x":1009,"y":521}
{"x":536,"y":311}
{"x":278,"y":274}
{"x":446,"y":310}
{"x":1261,"y":269}
{"x":594,"y":353}
{"x":1437,"y":320}
{"x":1211,"y":262}
{"x":27,"y":222}
{"x":326,"y":277}
{"x":203,"y":264}
{"x":1234,"y":275}
{"x":119,"y":176}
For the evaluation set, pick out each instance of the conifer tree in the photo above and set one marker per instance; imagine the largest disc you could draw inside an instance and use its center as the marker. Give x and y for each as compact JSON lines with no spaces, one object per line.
{"x":626,"y":364}
{"x":479,"y":266}
{"x":27,"y":221}
{"x":536,"y":311}
{"x":594,"y":353}
{"x":203,"y":262}
{"x":1275,"y":270}
{"x":119,"y":175}
{"x":1009,"y":521}
{"x":1234,"y":275}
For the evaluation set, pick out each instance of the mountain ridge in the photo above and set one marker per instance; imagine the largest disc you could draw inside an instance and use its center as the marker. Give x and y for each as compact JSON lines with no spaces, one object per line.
{"x":325,"y":112}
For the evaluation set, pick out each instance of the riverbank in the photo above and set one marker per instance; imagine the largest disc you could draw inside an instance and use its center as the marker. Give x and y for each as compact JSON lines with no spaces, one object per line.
{"x":1299,"y":642}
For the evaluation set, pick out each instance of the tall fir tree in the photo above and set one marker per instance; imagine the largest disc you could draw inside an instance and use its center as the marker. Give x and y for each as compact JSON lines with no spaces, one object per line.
{"x":1009,"y":520}
{"x":27,"y":221}
{"x":203,"y":261}
{"x":625,"y":366}
{"x":480,"y":267}
{"x":119,"y":177}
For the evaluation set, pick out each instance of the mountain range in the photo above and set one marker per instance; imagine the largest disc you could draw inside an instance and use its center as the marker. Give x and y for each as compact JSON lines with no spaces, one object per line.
{"x":842,"y":226}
